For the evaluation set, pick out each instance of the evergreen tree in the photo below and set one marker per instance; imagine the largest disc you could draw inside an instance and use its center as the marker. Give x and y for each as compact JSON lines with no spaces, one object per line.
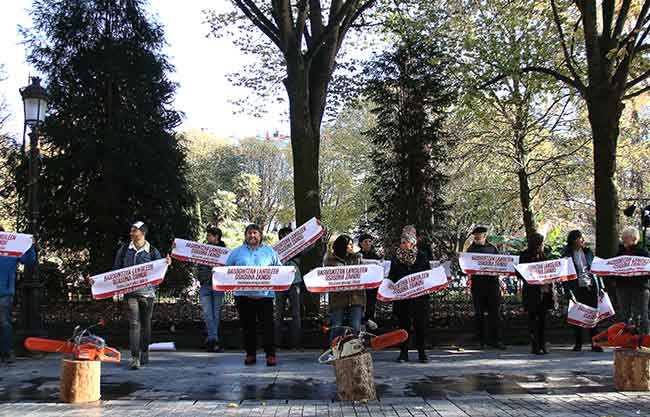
{"x":409,"y":87}
{"x":110,"y":156}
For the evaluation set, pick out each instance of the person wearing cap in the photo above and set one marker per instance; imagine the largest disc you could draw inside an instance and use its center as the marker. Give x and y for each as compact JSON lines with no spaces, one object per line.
{"x":139,"y":303}
{"x":211,"y":300}
{"x":294,"y":296}
{"x":254,"y":306}
{"x":486,"y":293}
{"x":409,"y":260}
{"x":368,"y":252}
{"x":8,"y":266}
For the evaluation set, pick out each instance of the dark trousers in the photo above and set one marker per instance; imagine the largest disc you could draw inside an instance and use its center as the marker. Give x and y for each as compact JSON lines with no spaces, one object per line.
{"x":371,"y":303}
{"x":537,"y":328}
{"x":294,"y":296}
{"x":587,"y":296}
{"x":633,"y":307}
{"x":413,"y":312}
{"x":486,"y":296}
{"x":139,"y":312}
{"x":252,"y":310}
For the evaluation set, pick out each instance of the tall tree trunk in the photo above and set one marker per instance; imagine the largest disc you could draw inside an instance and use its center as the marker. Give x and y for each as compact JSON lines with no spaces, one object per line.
{"x":526,"y":204}
{"x":604,"y":116}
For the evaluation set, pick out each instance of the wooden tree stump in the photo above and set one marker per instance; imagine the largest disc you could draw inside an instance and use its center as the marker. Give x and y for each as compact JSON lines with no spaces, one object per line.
{"x":80,"y":381}
{"x":355,"y":378}
{"x":632,"y":369}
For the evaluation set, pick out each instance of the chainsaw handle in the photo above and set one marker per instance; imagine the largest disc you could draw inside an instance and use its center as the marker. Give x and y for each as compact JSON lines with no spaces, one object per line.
{"x":329,"y":353}
{"x":109,"y":354}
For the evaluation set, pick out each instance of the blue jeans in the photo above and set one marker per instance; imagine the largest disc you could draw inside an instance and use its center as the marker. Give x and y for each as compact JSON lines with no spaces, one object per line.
{"x":337,"y":316}
{"x":211,"y":302}
{"x":6,"y":301}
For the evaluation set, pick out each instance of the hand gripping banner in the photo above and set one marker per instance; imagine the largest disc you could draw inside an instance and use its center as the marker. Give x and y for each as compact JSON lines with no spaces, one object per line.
{"x":588,"y":317}
{"x":200,"y":253}
{"x":445,"y":264}
{"x":384,"y":264}
{"x":298,"y":240}
{"x":624,"y":266}
{"x":413,"y":285}
{"x":126,"y":280}
{"x":487,"y":264}
{"x":14,"y":244}
{"x":252,"y":278}
{"x":344,"y":278}
{"x":539,"y":273}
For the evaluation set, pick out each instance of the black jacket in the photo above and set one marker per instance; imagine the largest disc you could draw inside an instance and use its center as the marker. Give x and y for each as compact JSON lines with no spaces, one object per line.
{"x":399,"y":270}
{"x":534,"y":299}
{"x":573,"y":284}
{"x":480,"y":281}
{"x":633,"y":283}
{"x":369,"y":255}
{"x":204,"y":272}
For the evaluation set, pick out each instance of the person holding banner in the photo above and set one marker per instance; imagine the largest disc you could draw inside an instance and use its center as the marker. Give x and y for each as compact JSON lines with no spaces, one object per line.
{"x":486,"y":293}
{"x":8,"y":266}
{"x":254,"y":306}
{"x":368,"y":252}
{"x":408,"y":260}
{"x":587,"y":287}
{"x":139,"y":303}
{"x":633,"y":292}
{"x":211,"y":300}
{"x":537,"y":299}
{"x":294,"y":296}
{"x":342,"y":302}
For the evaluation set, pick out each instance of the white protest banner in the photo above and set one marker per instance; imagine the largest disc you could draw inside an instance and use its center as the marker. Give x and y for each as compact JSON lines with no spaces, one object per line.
{"x":252,"y":278}
{"x":413,"y":285}
{"x":582,"y":315}
{"x":298,"y":240}
{"x":200,"y":253}
{"x":445,"y":264}
{"x":487,"y":264}
{"x":545,"y":272}
{"x":605,"y":307}
{"x":14,"y":244}
{"x":383,"y":264}
{"x":126,"y":280}
{"x":344,"y":278}
{"x":624,"y":266}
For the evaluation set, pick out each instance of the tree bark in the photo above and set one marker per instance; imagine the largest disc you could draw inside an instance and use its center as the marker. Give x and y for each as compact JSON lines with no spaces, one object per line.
{"x":80,"y":381}
{"x":355,"y":378}
{"x":604,"y":116}
{"x":631,"y":370}
{"x":526,"y":204}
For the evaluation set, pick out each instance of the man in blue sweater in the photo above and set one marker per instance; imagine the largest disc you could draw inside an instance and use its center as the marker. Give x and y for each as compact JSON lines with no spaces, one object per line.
{"x":254,"y":306}
{"x":8,"y":266}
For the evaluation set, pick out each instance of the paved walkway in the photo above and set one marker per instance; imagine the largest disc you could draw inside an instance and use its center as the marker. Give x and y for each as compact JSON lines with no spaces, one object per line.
{"x":468,"y":383}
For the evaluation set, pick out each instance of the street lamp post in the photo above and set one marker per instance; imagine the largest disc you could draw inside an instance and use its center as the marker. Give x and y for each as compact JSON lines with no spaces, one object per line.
{"x":35,"y":105}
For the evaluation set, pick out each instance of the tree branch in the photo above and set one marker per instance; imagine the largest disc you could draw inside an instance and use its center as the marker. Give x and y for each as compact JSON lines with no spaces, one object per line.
{"x":565,"y":51}
{"x":608,"y":14}
{"x":638,"y":79}
{"x":637,"y":93}
{"x":256,"y":16}
{"x":622,"y":17}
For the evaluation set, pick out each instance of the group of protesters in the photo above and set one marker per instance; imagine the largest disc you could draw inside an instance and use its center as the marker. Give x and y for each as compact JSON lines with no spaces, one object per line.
{"x":358,"y":306}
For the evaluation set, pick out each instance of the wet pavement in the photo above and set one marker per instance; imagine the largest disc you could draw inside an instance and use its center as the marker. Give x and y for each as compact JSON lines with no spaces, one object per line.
{"x":453,"y":383}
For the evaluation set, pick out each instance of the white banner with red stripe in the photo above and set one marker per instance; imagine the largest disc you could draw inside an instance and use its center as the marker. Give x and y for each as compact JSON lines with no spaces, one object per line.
{"x":126,"y":280}
{"x":624,"y":266}
{"x":14,"y":244}
{"x":445,"y":264}
{"x":189,"y":251}
{"x":299,"y":240}
{"x":605,"y":307}
{"x":344,"y":278}
{"x":545,"y":272}
{"x":252,"y":278}
{"x":382,"y":263}
{"x":413,"y":285}
{"x":487,"y":264}
{"x":588,"y":317}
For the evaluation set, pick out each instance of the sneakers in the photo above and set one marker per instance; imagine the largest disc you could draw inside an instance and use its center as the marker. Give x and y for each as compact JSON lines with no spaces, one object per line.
{"x":209,"y":346}
{"x":422,"y":356}
{"x":371,"y":325}
{"x":144,"y":358}
{"x":250,"y":360}
{"x":217,"y":349}
{"x":8,"y":357}
{"x":403,"y":357}
{"x":134,"y":364}
{"x":271,"y":360}
{"x":577,"y":348}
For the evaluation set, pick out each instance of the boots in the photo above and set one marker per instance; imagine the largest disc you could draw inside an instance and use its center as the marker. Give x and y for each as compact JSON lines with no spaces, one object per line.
{"x":534,"y":345}
{"x":403,"y":353}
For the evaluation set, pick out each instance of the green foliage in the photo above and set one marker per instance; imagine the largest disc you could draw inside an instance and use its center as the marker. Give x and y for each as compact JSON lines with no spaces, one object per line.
{"x":109,"y":153}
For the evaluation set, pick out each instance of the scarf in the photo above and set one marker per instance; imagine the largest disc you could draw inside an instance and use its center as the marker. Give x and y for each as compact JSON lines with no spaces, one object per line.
{"x":406,"y":257}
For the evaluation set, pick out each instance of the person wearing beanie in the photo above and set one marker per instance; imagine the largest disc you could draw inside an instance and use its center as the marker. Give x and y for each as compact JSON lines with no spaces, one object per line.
{"x":486,"y":294}
{"x":587,"y":287}
{"x":254,"y":306}
{"x":409,"y":260}
{"x":211,"y":300}
{"x":368,"y":252}
{"x":139,"y":303}
{"x":8,"y":266}
{"x":537,"y":299}
{"x":341,"y":303}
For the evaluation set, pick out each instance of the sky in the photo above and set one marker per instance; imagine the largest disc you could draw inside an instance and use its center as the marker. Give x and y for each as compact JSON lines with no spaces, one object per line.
{"x":201,"y":67}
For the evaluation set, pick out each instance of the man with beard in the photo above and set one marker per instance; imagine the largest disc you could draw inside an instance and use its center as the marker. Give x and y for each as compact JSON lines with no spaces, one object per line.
{"x":254,"y":306}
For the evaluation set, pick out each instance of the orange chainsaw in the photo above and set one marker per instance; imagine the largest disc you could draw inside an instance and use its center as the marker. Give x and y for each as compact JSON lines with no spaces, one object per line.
{"x":621,"y":335}
{"x":83,"y":346}
{"x":350,"y":344}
